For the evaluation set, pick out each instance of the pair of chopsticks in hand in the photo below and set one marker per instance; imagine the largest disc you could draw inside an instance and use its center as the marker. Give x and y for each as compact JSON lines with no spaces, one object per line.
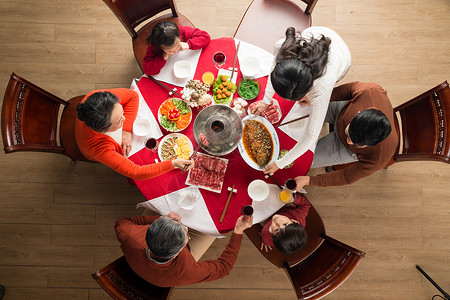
{"x":192,"y":156}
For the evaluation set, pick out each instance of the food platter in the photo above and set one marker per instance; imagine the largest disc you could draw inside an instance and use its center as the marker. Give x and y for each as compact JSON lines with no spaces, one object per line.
{"x":273,"y":135}
{"x":269,"y":113}
{"x":170,"y":142}
{"x":223,"y":88}
{"x":208,"y":172}
{"x":184,"y":110}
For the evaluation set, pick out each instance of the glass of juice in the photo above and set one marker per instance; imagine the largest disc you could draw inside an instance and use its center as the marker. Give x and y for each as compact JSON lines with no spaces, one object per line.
{"x":151,"y":144}
{"x":208,"y":77}
{"x":219,"y":59}
{"x":285,"y":196}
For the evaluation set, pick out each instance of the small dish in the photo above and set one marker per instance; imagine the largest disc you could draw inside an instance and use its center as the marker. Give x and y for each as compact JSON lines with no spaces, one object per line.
{"x":141,"y":127}
{"x":248,"y":88}
{"x":258,"y":190}
{"x":249,"y":66}
{"x":188,"y":200}
{"x":182,"y":69}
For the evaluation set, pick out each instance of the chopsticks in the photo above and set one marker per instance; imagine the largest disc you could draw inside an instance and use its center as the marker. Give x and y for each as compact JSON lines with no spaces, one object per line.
{"x":191,"y":157}
{"x":288,"y":122}
{"x":226,"y":205}
{"x":171,"y":91}
{"x":276,"y":182}
{"x":235,"y":58}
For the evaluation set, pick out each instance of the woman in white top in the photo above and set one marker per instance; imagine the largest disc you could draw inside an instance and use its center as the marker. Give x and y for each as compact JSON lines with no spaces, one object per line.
{"x":307,"y":67}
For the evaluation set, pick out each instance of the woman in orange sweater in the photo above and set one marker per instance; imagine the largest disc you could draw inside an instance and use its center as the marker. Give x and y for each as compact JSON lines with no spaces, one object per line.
{"x":103,"y":133}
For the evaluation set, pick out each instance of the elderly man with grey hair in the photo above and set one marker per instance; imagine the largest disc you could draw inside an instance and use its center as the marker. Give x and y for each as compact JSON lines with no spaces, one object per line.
{"x":160,"y":250}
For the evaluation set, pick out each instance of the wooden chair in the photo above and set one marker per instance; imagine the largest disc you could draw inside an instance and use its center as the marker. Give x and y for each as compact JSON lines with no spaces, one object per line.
{"x":324,"y":270}
{"x":320,"y":266}
{"x":133,"y":13}
{"x":121,"y":283}
{"x":31,"y":120}
{"x":266,"y":21}
{"x":424,"y":123}
{"x":314,"y":229}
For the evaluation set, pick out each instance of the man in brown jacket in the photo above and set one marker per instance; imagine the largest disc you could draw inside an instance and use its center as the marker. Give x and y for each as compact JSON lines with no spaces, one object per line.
{"x":364,"y":133}
{"x":157,"y":249}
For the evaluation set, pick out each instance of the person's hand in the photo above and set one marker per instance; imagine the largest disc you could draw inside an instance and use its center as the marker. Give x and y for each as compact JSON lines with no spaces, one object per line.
{"x":174,"y":216}
{"x":180,"y":163}
{"x":266,"y":247}
{"x":184,"y":46}
{"x":243,"y":223}
{"x":127,"y":138}
{"x":271,"y":168}
{"x":259,"y":108}
{"x":301,"y":182}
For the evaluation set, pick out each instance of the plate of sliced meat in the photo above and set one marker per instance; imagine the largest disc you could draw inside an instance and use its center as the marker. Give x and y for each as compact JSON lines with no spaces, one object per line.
{"x":271,"y":113}
{"x":208,"y":172}
{"x":259,"y":144}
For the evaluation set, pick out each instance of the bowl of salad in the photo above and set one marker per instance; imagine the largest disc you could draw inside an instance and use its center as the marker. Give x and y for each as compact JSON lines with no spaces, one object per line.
{"x":248,"y":88}
{"x":174,"y":115}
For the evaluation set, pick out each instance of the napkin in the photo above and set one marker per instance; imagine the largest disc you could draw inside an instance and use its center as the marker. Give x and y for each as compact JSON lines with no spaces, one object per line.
{"x":296,"y":129}
{"x":166,"y":73}
{"x":262,"y":210}
{"x":265,"y":58}
{"x":197,"y":218}
{"x":144,"y":112}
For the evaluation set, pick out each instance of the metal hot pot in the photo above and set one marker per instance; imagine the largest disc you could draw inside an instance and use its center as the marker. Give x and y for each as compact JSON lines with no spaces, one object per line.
{"x":222,"y":128}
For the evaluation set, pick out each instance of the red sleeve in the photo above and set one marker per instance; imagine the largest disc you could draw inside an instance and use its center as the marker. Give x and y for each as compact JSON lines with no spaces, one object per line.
{"x":194,"y":37}
{"x":125,"y":226}
{"x":153,"y":61}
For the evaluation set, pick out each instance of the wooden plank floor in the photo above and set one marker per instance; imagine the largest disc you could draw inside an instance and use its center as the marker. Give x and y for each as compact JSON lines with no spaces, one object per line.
{"x":56,"y":218}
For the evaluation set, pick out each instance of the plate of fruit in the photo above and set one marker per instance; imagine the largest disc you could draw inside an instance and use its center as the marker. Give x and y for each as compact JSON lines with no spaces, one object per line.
{"x":175,"y":145}
{"x":174,"y":114}
{"x":223,"y":90}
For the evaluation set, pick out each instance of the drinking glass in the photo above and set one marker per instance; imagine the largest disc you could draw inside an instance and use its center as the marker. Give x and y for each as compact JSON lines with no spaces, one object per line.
{"x":219,"y":59}
{"x":285,"y":196}
{"x":151,"y":144}
{"x":291,"y":184}
{"x":247,"y":211}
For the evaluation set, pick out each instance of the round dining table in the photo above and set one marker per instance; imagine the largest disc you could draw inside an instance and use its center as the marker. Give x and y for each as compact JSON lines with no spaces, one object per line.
{"x":238,"y":173}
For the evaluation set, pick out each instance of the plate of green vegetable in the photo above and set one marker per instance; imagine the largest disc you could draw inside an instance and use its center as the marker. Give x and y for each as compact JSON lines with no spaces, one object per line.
{"x":248,"y":88}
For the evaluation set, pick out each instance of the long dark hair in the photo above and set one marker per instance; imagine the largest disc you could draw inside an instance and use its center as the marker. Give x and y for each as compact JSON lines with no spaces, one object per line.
{"x":163,"y":34}
{"x":97,"y":109}
{"x":298,"y":63}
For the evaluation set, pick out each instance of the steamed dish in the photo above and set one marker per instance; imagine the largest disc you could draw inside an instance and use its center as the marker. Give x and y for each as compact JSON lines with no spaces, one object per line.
{"x":257,"y":142}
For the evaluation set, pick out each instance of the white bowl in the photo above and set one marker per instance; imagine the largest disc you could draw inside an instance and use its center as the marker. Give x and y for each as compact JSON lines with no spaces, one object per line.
{"x":258,"y":190}
{"x":182,"y":69}
{"x":187,"y":200}
{"x":249,"y":66}
{"x":141,"y":127}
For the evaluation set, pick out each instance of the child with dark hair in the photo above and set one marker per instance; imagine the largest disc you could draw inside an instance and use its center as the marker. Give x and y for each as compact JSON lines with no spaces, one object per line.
{"x":286,"y":229}
{"x":166,"y":39}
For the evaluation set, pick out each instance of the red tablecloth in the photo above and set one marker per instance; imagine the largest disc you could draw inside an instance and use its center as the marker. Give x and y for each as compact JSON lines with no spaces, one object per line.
{"x":238,"y":173}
